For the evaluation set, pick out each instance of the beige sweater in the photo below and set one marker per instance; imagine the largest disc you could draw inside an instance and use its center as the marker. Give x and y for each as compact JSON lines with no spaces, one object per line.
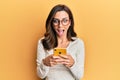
{"x":60,"y":72}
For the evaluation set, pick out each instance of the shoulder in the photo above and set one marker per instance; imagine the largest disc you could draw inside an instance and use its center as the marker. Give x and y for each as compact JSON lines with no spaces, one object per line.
{"x":40,"y":40}
{"x":77,"y":40}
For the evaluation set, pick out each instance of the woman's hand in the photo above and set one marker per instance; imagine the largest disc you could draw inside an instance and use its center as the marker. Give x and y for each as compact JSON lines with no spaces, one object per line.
{"x":50,"y":60}
{"x":66,"y":60}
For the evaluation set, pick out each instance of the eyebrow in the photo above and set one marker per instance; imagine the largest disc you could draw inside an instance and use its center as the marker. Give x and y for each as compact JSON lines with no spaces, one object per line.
{"x":62,"y":18}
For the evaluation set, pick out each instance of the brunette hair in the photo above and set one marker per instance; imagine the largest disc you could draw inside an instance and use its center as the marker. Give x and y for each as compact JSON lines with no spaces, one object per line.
{"x":50,"y":37}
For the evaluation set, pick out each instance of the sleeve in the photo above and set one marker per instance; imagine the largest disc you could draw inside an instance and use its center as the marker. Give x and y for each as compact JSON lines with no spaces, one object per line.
{"x":42,"y":69}
{"x":78,"y":68}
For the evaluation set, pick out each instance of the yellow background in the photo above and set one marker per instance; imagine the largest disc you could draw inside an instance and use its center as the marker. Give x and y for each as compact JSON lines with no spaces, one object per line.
{"x":22,"y":22}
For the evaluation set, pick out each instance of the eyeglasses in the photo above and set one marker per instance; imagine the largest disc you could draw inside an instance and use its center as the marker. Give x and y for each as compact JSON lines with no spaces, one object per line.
{"x":64,"y":21}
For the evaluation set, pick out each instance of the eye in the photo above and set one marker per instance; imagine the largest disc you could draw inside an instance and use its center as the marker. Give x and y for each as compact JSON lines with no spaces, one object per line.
{"x":65,"y":20}
{"x":55,"y":21}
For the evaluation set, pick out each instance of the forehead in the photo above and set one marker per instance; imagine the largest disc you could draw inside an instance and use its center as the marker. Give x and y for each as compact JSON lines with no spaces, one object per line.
{"x":61,"y":15}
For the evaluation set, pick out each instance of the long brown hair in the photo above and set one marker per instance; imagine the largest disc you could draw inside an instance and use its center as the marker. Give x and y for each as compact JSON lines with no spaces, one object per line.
{"x":50,"y":37}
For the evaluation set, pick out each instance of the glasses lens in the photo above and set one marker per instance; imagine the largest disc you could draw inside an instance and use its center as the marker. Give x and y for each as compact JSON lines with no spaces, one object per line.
{"x":56,"y":21}
{"x":64,"y":22}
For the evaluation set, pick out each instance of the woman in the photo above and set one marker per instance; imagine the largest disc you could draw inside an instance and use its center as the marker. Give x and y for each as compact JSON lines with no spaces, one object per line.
{"x":60,"y":34}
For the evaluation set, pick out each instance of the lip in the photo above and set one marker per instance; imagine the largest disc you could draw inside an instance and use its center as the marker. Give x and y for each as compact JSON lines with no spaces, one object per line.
{"x":60,"y":32}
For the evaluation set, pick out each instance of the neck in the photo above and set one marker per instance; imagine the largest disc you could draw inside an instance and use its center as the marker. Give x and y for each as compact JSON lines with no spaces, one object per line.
{"x":62,"y":42}
{"x":62,"y":39}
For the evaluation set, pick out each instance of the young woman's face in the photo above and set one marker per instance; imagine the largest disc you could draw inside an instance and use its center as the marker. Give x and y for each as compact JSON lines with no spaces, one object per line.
{"x":61,"y":23}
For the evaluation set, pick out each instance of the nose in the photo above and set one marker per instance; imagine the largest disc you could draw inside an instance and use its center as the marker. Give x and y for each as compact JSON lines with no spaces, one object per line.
{"x":60,"y":24}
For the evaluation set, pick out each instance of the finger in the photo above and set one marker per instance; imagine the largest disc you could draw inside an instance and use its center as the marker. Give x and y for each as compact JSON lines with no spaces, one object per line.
{"x":67,"y":64}
{"x":56,"y":57}
{"x":64,"y":56}
{"x":58,"y":60}
{"x":51,"y":63}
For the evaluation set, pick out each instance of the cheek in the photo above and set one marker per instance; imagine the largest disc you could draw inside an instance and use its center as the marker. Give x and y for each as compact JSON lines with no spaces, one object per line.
{"x":67,"y":27}
{"x":55,"y":27}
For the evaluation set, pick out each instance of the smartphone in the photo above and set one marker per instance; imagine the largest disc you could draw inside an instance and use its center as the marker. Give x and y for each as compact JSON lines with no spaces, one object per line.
{"x":58,"y":51}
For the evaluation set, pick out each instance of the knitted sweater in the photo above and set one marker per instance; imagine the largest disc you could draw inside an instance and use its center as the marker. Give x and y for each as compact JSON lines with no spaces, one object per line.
{"x":60,"y":72}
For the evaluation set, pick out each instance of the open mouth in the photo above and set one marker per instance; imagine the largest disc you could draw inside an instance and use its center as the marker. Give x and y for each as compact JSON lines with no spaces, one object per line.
{"x":60,"y":32}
